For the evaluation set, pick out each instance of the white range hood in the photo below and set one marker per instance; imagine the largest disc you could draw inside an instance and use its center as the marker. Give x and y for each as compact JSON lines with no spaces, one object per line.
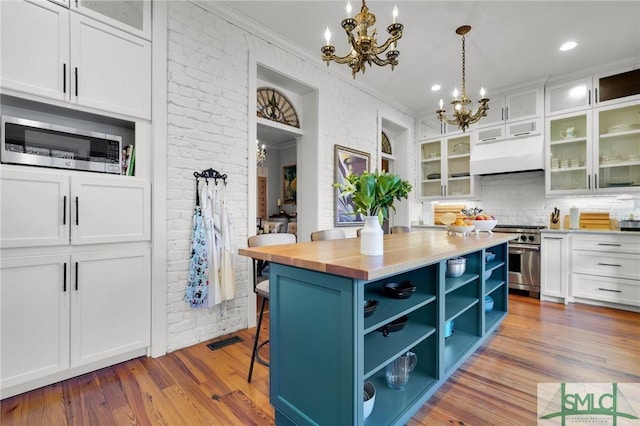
{"x":507,"y":156}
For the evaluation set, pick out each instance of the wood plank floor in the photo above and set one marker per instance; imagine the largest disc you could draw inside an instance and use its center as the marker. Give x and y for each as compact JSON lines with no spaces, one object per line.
{"x":538,"y":342}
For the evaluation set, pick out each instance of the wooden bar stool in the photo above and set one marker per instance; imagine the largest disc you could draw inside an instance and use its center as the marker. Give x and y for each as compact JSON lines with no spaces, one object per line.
{"x":262,"y":288}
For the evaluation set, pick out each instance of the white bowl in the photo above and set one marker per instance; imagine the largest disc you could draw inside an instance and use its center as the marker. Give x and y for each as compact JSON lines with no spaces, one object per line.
{"x":369,"y":398}
{"x":484,"y":225}
{"x":462,"y":229}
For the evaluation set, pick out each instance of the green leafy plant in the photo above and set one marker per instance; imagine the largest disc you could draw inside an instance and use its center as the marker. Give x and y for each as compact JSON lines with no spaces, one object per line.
{"x":374,"y":193}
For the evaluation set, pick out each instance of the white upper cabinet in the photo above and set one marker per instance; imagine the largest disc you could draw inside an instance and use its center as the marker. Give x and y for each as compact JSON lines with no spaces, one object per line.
{"x":35,"y":62}
{"x":133,"y":16}
{"x":110,"y":210}
{"x":34,"y":209}
{"x":594,"y":151}
{"x":73,"y":59}
{"x":444,"y":168}
{"x":568,"y":97}
{"x":621,"y":85}
{"x":512,"y":107}
{"x":431,"y":126}
{"x":113,"y":77}
{"x":46,"y":209}
{"x":518,"y":114}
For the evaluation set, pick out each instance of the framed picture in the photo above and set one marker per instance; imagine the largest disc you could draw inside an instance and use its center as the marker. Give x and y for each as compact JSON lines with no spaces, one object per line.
{"x":289,"y":184}
{"x":348,"y":161}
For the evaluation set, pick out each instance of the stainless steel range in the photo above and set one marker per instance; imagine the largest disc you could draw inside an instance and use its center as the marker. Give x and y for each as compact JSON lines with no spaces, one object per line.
{"x":524,"y":257}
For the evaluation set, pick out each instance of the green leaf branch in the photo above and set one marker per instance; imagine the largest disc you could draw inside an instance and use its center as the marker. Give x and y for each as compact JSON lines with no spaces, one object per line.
{"x":374,"y":193}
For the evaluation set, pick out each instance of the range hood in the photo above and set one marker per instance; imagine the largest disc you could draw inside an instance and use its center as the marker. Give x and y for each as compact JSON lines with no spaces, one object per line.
{"x":507,"y":156}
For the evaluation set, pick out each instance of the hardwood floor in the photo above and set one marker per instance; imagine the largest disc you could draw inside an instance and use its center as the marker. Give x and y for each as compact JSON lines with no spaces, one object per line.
{"x":538,"y":342}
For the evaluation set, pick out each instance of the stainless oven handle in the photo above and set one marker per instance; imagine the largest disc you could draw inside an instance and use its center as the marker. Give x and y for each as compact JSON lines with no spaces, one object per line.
{"x":522,"y":248}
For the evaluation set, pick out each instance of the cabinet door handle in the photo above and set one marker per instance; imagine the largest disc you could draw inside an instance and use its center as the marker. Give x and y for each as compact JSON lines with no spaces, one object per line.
{"x":588,"y":181}
{"x":64,"y":78}
{"x":595,"y":98}
{"x":489,"y":139}
{"x":608,"y":289}
{"x":77,"y":212}
{"x":76,"y":276}
{"x":595,"y":181}
{"x":502,"y":112}
{"x":506,"y":113}
{"x":610,"y":244}
{"x":76,"y":72}
{"x":589,"y":97}
{"x":64,"y":277}
{"x":609,"y":264}
{"x":522,"y":134}
{"x":64,"y":210}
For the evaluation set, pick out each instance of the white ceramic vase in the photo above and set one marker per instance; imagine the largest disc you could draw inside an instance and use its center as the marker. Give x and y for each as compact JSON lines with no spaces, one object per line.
{"x":371,"y":237}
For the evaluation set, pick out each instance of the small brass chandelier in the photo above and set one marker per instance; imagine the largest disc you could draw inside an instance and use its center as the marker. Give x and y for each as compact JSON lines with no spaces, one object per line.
{"x":364,"y":47}
{"x":462,"y":116}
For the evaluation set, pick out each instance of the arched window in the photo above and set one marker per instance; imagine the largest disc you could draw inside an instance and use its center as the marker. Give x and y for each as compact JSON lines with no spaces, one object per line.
{"x":274,"y":106}
{"x":386,"y":144}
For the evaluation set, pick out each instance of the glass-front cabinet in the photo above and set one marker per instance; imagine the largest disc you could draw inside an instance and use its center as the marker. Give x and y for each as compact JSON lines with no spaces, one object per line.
{"x":444,"y":168}
{"x":618,"y":146}
{"x":603,"y":156}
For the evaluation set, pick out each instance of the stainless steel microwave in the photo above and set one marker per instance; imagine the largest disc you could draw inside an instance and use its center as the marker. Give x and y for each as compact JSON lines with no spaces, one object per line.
{"x":41,"y":144}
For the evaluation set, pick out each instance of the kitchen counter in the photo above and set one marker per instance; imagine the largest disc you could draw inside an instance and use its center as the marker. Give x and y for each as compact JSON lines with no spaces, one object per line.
{"x":323,"y":348}
{"x":401,"y":252}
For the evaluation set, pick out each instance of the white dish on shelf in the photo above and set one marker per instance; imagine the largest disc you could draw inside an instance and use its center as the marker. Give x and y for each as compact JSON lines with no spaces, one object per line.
{"x":623,"y":127}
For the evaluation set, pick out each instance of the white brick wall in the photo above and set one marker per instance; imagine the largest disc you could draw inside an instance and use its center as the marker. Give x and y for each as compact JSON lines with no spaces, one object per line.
{"x":208,"y":127}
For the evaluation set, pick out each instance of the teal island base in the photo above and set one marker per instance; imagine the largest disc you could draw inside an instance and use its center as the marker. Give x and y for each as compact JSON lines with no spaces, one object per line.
{"x":323,"y":348}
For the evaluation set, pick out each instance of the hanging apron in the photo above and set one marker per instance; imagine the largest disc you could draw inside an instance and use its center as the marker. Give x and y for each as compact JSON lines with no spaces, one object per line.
{"x":197,"y":289}
{"x":227,"y":272}
{"x":209,"y":195}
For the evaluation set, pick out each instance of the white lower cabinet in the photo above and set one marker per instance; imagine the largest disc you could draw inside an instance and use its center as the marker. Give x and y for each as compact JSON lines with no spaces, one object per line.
{"x":554,"y":252}
{"x":606,"y":289}
{"x":605,"y":268}
{"x":35,"y":318}
{"x":65,"y":311}
{"x":110,"y":304}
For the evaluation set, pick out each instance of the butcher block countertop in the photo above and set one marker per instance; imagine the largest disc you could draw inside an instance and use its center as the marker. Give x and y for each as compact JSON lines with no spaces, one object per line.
{"x":402,"y":252}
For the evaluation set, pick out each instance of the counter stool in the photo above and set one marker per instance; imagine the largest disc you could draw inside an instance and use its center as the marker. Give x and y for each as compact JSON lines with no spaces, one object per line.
{"x":400,"y":229}
{"x":328,"y":234}
{"x":262,"y":288}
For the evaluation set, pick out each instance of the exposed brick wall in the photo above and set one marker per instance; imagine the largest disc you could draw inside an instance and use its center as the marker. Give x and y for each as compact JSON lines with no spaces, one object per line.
{"x":208,"y":127}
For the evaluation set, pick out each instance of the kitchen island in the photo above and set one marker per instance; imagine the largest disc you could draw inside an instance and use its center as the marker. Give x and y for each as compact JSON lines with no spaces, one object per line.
{"x":323,"y":348}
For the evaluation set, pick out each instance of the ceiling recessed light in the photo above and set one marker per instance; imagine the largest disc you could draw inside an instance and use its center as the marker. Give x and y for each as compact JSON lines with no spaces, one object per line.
{"x":435,"y":87}
{"x":568,"y":46}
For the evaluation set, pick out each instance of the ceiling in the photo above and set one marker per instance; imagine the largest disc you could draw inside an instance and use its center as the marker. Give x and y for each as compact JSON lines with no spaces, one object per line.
{"x":511,"y":43}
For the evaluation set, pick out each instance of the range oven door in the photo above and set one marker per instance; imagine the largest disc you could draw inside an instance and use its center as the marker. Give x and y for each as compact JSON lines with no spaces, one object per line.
{"x":524,"y":267}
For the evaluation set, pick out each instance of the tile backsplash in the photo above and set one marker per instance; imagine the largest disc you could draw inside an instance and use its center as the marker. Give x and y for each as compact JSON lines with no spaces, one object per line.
{"x":519,"y":198}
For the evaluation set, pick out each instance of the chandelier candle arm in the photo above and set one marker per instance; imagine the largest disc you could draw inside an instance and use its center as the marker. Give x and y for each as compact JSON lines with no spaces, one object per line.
{"x":462,"y":116}
{"x":364,"y":45}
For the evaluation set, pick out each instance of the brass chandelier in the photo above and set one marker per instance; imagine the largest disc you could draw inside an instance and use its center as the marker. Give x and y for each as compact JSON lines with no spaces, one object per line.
{"x":462,"y":116}
{"x":364,"y":47}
